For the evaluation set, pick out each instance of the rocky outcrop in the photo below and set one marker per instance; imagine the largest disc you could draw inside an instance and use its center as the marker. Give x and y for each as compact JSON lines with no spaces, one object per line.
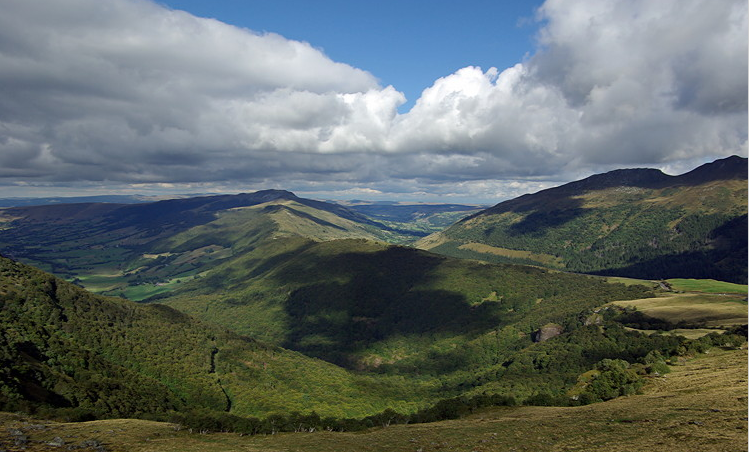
{"x":546,"y":332}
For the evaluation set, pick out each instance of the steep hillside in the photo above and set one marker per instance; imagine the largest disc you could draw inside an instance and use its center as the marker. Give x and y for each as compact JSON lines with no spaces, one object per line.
{"x":638,"y":222}
{"x":62,"y":348}
{"x":138,"y":250}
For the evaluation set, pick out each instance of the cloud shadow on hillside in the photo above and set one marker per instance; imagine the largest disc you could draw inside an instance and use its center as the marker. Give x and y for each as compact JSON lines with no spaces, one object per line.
{"x":353,"y":300}
{"x":725,"y":261}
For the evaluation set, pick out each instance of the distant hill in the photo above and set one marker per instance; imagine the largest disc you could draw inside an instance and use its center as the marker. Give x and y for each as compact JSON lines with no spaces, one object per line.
{"x":310,"y":276}
{"x":122,"y":199}
{"x":632,"y":222}
{"x":138,"y":250}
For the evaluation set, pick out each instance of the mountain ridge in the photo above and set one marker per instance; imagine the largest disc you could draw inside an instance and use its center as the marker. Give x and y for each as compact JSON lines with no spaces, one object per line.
{"x":633,"y":222}
{"x":729,"y":168}
{"x":99,"y":243}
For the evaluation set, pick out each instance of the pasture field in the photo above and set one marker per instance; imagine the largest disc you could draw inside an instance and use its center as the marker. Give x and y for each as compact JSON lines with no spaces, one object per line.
{"x":707,"y":286}
{"x":545,"y":259}
{"x":695,"y":309}
{"x":632,"y":281}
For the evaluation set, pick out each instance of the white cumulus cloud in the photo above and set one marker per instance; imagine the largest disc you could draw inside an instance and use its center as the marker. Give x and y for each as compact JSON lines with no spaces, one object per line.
{"x":615,"y":83}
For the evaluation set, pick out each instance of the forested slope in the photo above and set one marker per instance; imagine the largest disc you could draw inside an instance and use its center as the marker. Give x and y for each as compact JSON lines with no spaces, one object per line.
{"x":391,"y":310}
{"x":64,"y":348}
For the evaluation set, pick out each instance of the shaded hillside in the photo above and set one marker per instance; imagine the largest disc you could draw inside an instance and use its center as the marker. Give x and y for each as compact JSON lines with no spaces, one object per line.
{"x":137,"y":250}
{"x":121,"y":199}
{"x":636,"y":222}
{"x":390,"y":309}
{"x":465,"y":328}
{"x":64,"y":348}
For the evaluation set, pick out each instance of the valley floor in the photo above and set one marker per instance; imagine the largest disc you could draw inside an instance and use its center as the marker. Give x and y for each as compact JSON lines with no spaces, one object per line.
{"x":699,"y":406}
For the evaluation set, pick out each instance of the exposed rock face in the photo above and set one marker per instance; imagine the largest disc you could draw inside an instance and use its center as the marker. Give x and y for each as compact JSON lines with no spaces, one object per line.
{"x":594,"y":319}
{"x":546,"y":332}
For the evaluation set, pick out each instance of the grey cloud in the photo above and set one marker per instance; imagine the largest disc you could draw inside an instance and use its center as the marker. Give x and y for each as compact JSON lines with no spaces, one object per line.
{"x":692,"y":54}
{"x":128,"y":91}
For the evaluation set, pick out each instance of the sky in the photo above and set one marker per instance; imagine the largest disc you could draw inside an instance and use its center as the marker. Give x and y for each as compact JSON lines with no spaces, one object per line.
{"x":471,"y":101}
{"x":407,"y":44}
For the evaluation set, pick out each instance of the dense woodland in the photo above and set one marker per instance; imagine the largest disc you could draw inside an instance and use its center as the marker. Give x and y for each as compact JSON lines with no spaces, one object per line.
{"x":385,"y":308}
{"x":623,"y":252}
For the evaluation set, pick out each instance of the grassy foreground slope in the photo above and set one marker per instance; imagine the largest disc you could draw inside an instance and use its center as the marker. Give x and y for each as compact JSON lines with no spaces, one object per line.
{"x":639,"y":223}
{"x":700,"y":405}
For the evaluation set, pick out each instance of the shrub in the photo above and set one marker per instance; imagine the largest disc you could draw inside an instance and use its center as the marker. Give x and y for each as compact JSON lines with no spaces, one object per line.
{"x":615,"y":378}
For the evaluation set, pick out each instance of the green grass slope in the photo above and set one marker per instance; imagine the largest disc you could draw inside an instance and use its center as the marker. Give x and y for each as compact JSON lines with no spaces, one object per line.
{"x":369,"y":305}
{"x":424,"y":352}
{"x":707,"y":286}
{"x":636,"y":223}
